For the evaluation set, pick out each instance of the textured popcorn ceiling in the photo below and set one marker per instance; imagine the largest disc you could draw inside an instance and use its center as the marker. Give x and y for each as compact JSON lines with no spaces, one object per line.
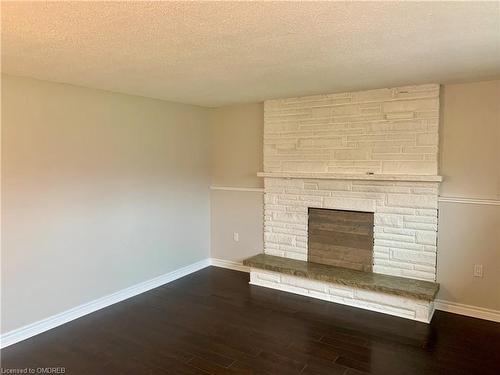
{"x":214,"y":54}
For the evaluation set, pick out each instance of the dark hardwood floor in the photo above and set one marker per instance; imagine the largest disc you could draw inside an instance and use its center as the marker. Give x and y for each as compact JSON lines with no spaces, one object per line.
{"x":214,"y":322}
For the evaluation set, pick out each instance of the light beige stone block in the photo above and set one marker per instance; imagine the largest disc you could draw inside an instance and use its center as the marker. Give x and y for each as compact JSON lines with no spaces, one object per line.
{"x":341,"y":203}
{"x":427,"y":237}
{"x":412,"y":200}
{"x":334,"y":185}
{"x":359,"y":154}
{"x":411,"y":105}
{"x":427,"y":139}
{"x":414,"y":257}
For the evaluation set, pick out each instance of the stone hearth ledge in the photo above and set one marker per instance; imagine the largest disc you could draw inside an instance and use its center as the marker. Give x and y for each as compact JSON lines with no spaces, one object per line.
{"x":398,"y":296}
{"x":352,"y":176}
{"x":395,"y":285}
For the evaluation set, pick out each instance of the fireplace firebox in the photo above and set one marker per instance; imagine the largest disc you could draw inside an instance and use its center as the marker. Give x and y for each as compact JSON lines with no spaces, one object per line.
{"x":341,"y":238}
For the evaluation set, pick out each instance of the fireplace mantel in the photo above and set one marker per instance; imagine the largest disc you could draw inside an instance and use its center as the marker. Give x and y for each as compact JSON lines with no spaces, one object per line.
{"x":352,"y":176}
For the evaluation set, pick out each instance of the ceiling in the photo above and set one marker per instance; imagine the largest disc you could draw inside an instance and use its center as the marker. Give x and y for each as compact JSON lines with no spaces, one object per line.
{"x":220,"y":53}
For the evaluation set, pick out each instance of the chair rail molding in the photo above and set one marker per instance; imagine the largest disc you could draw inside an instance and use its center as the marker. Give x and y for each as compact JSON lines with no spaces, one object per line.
{"x":463,"y":200}
{"x":238,"y":188}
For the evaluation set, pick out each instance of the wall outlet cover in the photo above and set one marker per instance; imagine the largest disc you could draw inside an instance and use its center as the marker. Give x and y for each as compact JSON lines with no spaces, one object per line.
{"x":478,"y":270}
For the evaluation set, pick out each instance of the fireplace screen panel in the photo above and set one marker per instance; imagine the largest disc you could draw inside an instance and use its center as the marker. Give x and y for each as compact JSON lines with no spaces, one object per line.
{"x":341,"y":238}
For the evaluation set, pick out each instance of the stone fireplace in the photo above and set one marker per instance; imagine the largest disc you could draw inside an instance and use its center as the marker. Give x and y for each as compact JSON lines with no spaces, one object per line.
{"x":404,"y":212}
{"x":370,"y":157}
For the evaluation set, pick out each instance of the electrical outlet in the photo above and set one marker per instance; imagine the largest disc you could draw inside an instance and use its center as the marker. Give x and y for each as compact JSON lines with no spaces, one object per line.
{"x":478,"y":270}
{"x":236,"y":237}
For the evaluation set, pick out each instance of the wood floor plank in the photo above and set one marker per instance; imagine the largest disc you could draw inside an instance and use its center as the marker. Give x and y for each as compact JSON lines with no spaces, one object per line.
{"x":214,"y":322}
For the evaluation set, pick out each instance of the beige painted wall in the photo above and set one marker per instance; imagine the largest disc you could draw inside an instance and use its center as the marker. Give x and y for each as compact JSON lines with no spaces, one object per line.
{"x":469,"y":234}
{"x":470,"y":163}
{"x":100,"y":191}
{"x":470,"y":140}
{"x":240,"y":212}
{"x":469,"y":159}
{"x":237,"y":133}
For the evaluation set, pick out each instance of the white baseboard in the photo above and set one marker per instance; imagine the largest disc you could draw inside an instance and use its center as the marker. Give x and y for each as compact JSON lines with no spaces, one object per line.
{"x":237,"y":266}
{"x":43,"y":325}
{"x":468,"y":310}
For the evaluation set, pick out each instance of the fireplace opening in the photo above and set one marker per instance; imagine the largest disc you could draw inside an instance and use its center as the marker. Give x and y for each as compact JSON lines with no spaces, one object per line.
{"x":341,"y":238}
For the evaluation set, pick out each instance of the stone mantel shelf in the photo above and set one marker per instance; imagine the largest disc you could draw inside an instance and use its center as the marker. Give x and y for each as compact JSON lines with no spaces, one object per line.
{"x":352,"y":176}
